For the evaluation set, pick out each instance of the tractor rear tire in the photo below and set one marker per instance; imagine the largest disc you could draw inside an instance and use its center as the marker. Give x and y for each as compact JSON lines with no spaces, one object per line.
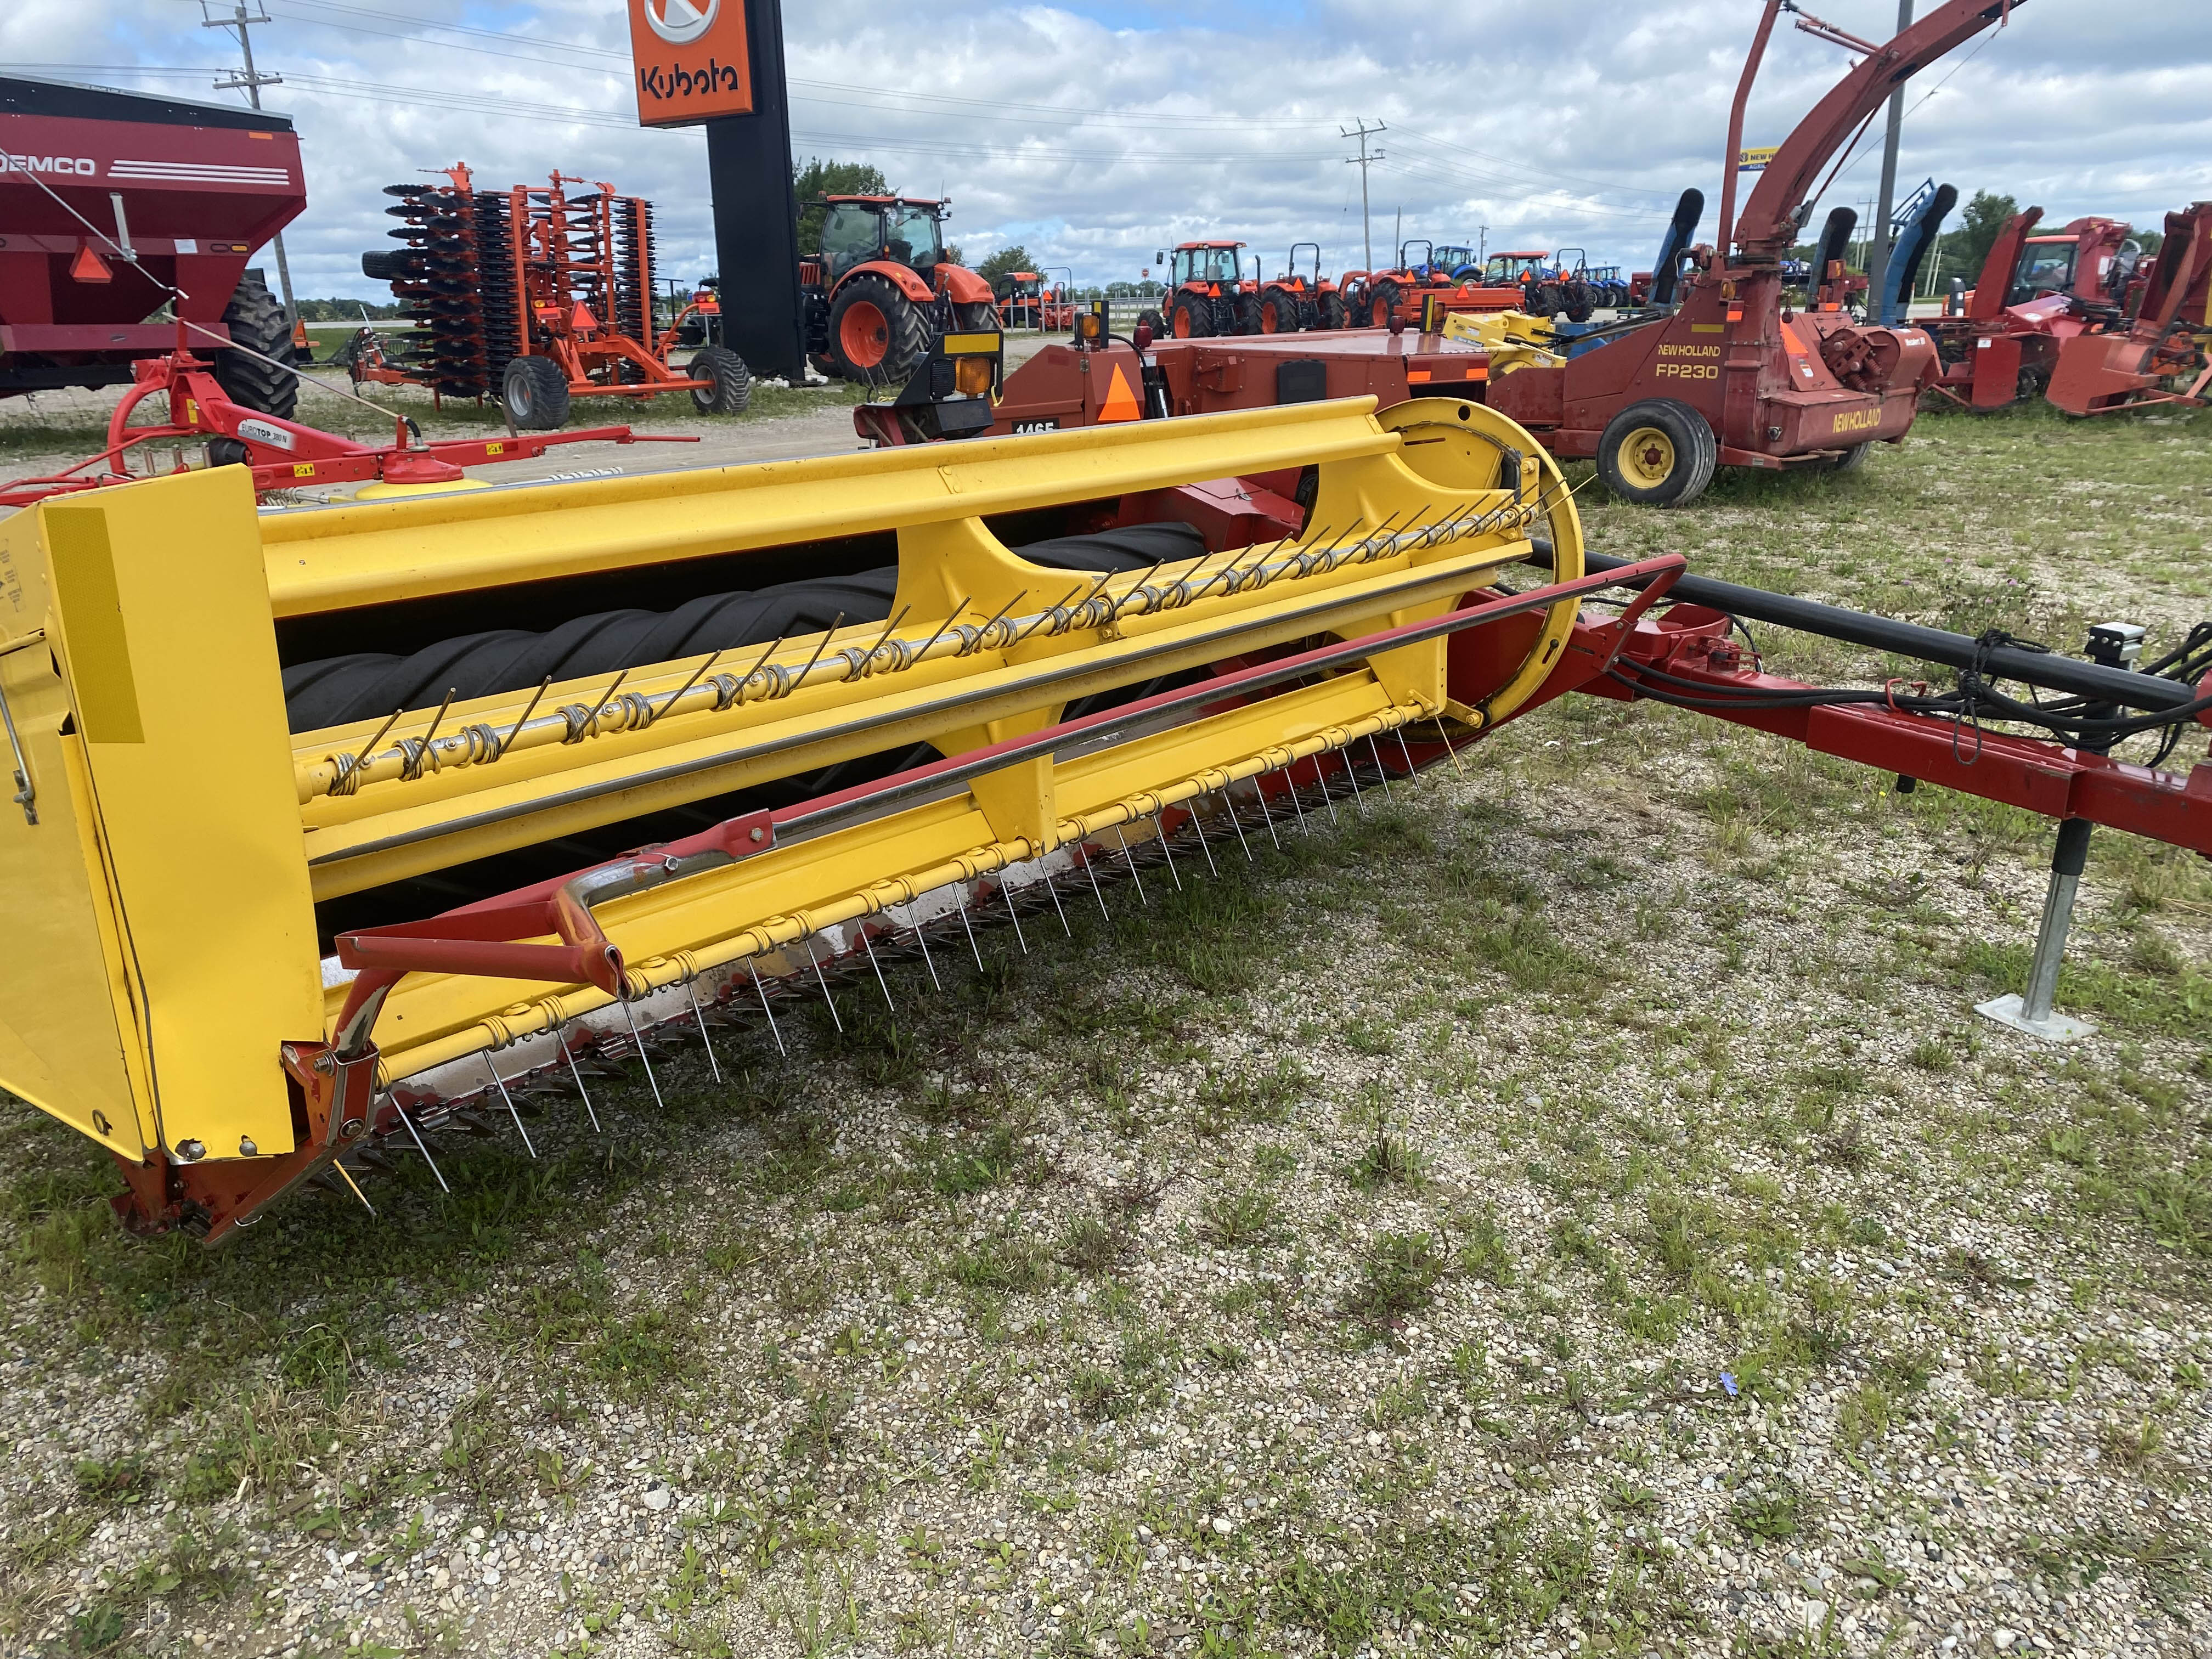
{"x":1330,"y":312}
{"x":1659,"y":452}
{"x":1580,"y":302}
{"x":1191,"y":318}
{"x":729,"y":385}
{"x":976,"y":316}
{"x":534,"y":393}
{"x":256,"y":322}
{"x":1151,"y":318}
{"x":877,"y":335}
{"x":1244,"y":314}
{"x":1380,"y":302}
{"x":1279,"y":312}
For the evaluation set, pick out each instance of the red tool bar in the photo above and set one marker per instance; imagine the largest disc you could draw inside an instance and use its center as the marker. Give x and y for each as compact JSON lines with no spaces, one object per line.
{"x":2041,"y":775}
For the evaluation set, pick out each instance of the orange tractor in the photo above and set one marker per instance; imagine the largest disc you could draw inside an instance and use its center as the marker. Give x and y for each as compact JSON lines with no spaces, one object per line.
{"x":1024,"y":301}
{"x":1297,"y":300}
{"x":1379,"y":299}
{"x":1208,"y":293}
{"x":881,"y":288}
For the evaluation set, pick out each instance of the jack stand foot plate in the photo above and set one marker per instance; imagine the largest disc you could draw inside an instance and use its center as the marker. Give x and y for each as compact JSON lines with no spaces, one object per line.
{"x":2009,"y":1010}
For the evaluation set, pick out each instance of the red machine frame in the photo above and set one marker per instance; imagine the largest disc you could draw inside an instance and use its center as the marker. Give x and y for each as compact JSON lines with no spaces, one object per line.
{"x":282,"y":454}
{"x":2164,"y":340}
{"x":1999,"y":352}
{"x":554,"y":322}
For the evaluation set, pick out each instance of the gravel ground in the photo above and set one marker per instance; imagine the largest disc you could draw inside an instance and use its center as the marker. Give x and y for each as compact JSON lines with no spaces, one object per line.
{"x":1568,"y":1207}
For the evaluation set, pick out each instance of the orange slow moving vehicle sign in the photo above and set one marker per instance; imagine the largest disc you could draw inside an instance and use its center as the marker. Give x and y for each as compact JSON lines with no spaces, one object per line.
{"x":692,"y":60}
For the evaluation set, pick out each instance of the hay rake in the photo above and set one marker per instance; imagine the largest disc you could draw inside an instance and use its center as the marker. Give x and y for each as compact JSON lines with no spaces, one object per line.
{"x":437,"y":809}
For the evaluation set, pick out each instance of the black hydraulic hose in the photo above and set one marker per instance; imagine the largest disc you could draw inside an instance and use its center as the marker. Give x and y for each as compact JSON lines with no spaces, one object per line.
{"x":2046,"y":669}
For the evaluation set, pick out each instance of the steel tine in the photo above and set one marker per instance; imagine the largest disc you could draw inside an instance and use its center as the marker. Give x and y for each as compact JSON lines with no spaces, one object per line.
{"x":1260,"y":788}
{"x":1168,"y":847}
{"x":1006,"y":891}
{"x":1052,"y":887}
{"x":577,"y":1072}
{"x":1130,"y":859}
{"x":815,"y":962}
{"x":1235,"y":821}
{"x":699,"y":1014}
{"x":774,"y":1030}
{"x":1381,"y":771}
{"x":868,"y":946}
{"x":638,"y":1038}
{"x":1092,"y":870}
{"x":1291,"y":779}
{"x":1406,"y":748}
{"x":1351,"y":771}
{"x":922,"y":939}
{"x":970,"y":929}
{"x":414,"y":1137}
{"x":1202,"y":841}
{"x":509,"y":1099}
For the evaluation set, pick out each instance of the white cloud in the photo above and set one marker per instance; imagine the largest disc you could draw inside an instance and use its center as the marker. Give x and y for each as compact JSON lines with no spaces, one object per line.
{"x":1576,"y":124}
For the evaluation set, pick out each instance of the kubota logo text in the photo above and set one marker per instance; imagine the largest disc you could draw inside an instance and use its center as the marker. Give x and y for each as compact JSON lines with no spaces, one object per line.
{"x":83,"y":166}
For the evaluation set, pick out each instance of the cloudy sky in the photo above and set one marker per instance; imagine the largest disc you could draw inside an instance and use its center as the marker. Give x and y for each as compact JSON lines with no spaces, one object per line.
{"x":1094,"y":133}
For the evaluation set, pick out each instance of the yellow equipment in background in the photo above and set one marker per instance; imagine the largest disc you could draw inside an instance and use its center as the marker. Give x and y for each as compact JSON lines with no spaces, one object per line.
{"x":1514,"y":339}
{"x":238,"y":949}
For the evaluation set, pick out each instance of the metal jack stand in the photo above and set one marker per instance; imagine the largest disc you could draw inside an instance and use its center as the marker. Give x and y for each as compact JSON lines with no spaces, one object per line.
{"x":2116,"y":645}
{"x":2032,"y":1014}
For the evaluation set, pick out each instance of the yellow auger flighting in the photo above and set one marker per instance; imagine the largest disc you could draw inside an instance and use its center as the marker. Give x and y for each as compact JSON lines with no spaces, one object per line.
{"x":330,"y":820}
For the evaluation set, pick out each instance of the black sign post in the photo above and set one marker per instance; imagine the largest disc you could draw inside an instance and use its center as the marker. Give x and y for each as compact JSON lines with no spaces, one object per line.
{"x":757,"y":212}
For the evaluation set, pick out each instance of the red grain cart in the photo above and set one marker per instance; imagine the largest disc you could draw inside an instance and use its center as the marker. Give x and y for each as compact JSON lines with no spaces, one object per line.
{"x":113,"y":203}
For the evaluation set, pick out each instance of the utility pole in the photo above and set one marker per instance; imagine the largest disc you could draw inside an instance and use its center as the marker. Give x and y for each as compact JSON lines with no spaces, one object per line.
{"x":1878,"y":254}
{"x":253,"y":81}
{"x":1482,"y":252}
{"x":1363,"y":132}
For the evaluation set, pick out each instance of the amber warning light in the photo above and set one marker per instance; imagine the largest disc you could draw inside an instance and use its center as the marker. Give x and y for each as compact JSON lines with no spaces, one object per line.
{"x":692,"y":60}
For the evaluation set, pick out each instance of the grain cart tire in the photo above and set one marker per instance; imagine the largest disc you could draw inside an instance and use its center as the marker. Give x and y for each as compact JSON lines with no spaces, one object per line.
{"x":534,"y":392}
{"x":1332,"y":311}
{"x":729,"y":385}
{"x":1381,"y":304}
{"x":1659,"y":452}
{"x":1193,"y":317}
{"x":1279,"y":312}
{"x":877,"y":335}
{"x":256,"y":322}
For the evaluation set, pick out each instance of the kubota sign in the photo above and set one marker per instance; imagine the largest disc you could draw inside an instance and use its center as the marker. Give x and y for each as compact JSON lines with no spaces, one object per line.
{"x":692,"y":60}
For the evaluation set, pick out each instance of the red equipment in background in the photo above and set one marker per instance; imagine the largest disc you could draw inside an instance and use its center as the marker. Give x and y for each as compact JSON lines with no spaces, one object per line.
{"x":1379,"y":299}
{"x":1024,"y":301}
{"x":2163,"y":345}
{"x":2034,"y":293}
{"x":583,"y":293}
{"x":1729,"y":378}
{"x":283,"y":454}
{"x":1208,"y":293}
{"x":187,"y":190}
{"x":1297,"y":303}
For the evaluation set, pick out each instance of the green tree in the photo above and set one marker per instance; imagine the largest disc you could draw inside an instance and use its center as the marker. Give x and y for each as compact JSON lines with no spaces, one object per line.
{"x":1006,"y":259}
{"x":1966,"y":247}
{"x":821,"y":178}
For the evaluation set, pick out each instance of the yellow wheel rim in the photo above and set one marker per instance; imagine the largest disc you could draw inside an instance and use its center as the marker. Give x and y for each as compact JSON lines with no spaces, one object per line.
{"x":1646,"y":457}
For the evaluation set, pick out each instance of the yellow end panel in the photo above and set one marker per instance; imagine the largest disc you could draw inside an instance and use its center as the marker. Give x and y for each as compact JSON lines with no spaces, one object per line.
{"x":161,"y":586}
{"x":331,"y":558}
{"x":63,"y":1011}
